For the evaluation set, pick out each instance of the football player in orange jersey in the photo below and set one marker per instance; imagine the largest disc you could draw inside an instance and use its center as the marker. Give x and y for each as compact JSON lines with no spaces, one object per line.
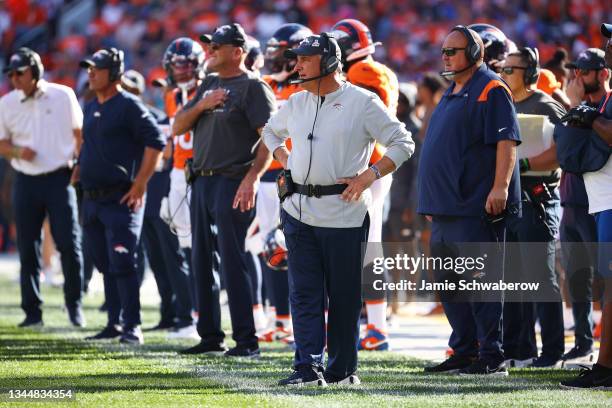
{"x":268,"y":207}
{"x":361,"y":69}
{"x":184,"y":65}
{"x":183,"y":62}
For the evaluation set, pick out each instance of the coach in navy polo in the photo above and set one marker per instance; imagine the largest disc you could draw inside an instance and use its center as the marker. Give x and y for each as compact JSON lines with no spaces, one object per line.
{"x":122,"y":145}
{"x":467,"y":170}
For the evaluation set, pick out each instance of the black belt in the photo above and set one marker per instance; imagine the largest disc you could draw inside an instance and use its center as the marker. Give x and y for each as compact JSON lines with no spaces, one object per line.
{"x":50,"y":173}
{"x":105,"y":192}
{"x":318,"y":190}
{"x":208,"y":173}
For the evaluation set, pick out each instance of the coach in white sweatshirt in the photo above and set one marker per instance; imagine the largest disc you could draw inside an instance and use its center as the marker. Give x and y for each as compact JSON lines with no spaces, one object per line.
{"x":333,"y":126}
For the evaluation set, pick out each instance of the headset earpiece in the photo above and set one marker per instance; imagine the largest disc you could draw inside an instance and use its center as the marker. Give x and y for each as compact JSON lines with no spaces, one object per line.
{"x":331,"y":56}
{"x":472,"y":50}
{"x":118,"y":64}
{"x":34,"y":62}
{"x":532,"y":72}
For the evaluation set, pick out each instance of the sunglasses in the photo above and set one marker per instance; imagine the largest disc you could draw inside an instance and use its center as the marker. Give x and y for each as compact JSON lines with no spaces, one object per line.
{"x":18,"y":73}
{"x":509,"y":70}
{"x":451,"y":51}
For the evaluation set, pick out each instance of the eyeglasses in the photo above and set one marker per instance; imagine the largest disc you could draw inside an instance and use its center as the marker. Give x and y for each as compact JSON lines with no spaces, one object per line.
{"x":18,"y":73}
{"x":451,"y":51}
{"x":509,"y":70}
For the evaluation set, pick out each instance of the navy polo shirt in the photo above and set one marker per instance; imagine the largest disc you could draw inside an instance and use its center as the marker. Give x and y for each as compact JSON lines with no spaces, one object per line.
{"x":457,"y":162}
{"x":115,"y":134}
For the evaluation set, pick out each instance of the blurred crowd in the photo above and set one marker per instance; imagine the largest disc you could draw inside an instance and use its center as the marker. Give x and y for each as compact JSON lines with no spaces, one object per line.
{"x":411,"y":31}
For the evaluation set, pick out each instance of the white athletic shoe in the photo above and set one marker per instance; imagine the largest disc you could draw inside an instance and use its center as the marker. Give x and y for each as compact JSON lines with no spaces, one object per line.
{"x":187,"y":332}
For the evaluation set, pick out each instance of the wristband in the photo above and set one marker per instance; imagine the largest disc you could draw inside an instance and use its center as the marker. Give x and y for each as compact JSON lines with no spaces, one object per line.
{"x":16,"y":152}
{"x":376,"y":171}
{"x":524,"y":165}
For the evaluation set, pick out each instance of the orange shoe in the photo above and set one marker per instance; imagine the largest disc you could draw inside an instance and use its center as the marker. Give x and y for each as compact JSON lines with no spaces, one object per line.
{"x":597,"y":331}
{"x":278,"y":333}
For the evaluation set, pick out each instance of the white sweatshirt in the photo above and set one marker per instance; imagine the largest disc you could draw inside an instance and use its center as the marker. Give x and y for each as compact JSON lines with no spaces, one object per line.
{"x":348,"y":123}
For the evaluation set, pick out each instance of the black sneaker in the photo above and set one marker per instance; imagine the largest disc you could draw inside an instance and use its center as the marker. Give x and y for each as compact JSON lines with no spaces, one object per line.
{"x":31,"y":322}
{"x":305,"y":375}
{"x":76,"y":316}
{"x":132,"y":335}
{"x":578,"y":352}
{"x":109,"y":332}
{"x":205,"y":348}
{"x":484,"y":367}
{"x":241,"y":351}
{"x":597,"y":378}
{"x":331,"y":379}
{"x":162,"y":325}
{"x":546,"y":362}
{"x":452,"y":365}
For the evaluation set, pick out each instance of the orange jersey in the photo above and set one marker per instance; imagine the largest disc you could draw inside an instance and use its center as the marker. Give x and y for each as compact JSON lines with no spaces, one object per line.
{"x":378,"y":78}
{"x":282,"y":92}
{"x":183,"y":144}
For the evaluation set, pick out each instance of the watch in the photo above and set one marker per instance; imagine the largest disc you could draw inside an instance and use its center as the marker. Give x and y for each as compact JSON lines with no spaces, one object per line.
{"x":376,"y":171}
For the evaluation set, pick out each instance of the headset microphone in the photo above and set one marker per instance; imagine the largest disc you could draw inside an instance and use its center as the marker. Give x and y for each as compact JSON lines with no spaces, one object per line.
{"x":302,"y":80}
{"x":447,"y":74}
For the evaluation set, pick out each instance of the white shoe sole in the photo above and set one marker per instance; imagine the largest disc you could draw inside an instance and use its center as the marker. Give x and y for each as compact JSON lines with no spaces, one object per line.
{"x":350,"y":380}
{"x":317,"y":383}
{"x":513,"y":363}
{"x":499,"y":374}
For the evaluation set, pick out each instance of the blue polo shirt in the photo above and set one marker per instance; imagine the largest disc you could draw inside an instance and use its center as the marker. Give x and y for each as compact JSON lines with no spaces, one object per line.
{"x":115,"y":134}
{"x":457,"y":162}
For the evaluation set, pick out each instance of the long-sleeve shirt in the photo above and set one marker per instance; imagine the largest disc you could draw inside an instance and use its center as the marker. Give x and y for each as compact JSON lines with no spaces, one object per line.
{"x":348,"y":123}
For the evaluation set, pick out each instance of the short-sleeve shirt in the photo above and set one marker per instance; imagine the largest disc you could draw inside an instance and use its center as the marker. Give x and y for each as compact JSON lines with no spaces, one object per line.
{"x":539,"y":103}
{"x":458,"y":157}
{"x":44,"y":122}
{"x":115,"y":134}
{"x":226,"y":138}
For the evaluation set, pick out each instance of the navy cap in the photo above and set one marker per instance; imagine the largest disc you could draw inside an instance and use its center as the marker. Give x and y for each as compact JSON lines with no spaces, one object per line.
{"x":232,"y":34}
{"x":591,"y":58}
{"x":18,"y":62}
{"x":606,"y":30}
{"x":102,"y":59}
{"x":311,"y":45}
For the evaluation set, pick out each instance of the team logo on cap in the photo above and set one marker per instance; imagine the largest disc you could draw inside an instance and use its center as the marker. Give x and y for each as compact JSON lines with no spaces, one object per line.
{"x":15,"y":58}
{"x":584,"y":55}
{"x":100,"y":54}
{"x":222,"y":30}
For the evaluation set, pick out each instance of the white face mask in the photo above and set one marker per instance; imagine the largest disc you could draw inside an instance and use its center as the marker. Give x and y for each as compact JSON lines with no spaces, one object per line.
{"x":187,"y":86}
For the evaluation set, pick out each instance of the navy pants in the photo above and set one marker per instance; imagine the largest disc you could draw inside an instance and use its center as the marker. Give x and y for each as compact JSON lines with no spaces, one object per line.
{"x":211,"y":204}
{"x":477,"y":326}
{"x":321,"y":258}
{"x":578,"y":233}
{"x":536,"y":263}
{"x":113,"y":235}
{"x":34,"y":197}
{"x":171,"y":271}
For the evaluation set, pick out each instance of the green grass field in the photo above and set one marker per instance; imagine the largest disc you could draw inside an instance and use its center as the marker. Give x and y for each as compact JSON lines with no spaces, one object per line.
{"x":108,"y":374}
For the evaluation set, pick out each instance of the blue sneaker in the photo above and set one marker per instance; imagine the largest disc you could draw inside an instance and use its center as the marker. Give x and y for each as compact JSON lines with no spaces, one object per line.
{"x":374,"y":340}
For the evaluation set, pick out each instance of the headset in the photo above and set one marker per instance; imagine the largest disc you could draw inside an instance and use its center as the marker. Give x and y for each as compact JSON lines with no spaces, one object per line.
{"x":330,"y":59}
{"x":531,"y":74}
{"x":34,"y":62}
{"x":331,"y":54}
{"x":472,"y":51}
{"x":118,"y":66}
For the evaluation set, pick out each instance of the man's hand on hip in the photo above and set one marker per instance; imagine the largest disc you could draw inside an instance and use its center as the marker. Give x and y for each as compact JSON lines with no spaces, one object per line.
{"x":133,"y":198}
{"x":356,"y":185}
